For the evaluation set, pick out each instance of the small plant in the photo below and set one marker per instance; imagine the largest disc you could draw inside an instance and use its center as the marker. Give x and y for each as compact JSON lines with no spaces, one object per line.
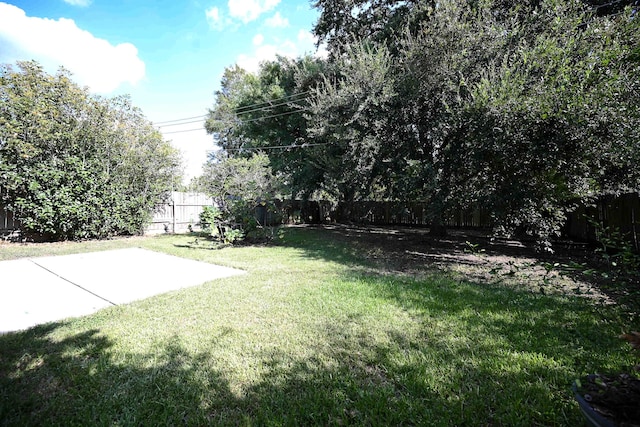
{"x":209,"y":219}
{"x":234,"y":235}
{"x":615,"y":248}
{"x":548,"y":272}
{"x":473,"y":248}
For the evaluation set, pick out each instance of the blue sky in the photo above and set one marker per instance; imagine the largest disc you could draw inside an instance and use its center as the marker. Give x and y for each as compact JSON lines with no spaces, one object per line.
{"x":168,"y":55}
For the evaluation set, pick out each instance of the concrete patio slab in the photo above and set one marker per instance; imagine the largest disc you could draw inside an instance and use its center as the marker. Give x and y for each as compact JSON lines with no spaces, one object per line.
{"x":30,"y":296}
{"x":39,"y":290}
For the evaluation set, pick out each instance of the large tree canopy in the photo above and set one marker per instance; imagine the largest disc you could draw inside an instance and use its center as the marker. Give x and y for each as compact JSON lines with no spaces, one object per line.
{"x":74,"y":165}
{"x":265,"y":112}
{"x":524,"y":107}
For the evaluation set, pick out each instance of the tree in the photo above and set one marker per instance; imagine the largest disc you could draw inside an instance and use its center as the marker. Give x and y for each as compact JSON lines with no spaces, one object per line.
{"x":238,"y":185}
{"x":265,"y":112}
{"x":524,"y":107}
{"x":343,"y":23}
{"x":559,"y":124}
{"x":555,"y":121}
{"x":76,"y":166}
{"x":394,"y":107}
{"x":355,"y":116}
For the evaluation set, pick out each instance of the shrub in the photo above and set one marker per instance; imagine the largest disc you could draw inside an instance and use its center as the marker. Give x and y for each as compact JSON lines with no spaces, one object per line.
{"x":76,"y":166}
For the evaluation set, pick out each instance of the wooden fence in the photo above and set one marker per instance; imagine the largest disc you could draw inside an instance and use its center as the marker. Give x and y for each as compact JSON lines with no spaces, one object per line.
{"x":8,"y":224}
{"x":183,"y":210}
{"x":180,"y":214}
{"x":620,"y":213}
{"x":405,"y":213}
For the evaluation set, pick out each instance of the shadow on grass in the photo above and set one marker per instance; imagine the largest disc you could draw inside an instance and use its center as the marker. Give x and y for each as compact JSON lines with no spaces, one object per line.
{"x":482,"y":259}
{"x":396,"y":352}
{"x":458,"y":357}
{"x":81,"y":380}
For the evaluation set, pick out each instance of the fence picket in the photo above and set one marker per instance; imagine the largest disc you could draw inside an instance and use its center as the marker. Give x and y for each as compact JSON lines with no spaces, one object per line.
{"x":183,"y":211}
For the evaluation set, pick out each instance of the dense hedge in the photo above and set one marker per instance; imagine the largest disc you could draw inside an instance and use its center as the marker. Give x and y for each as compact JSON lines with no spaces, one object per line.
{"x":73,"y":165}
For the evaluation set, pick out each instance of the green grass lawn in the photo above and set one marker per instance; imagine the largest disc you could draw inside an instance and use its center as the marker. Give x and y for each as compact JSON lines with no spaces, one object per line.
{"x":314,"y":334}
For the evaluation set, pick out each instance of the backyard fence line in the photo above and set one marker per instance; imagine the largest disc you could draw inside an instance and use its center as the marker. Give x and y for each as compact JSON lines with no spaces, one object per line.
{"x":7,"y":222}
{"x":620,"y":213}
{"x":181,"y":213}
{"x":615,"y":213}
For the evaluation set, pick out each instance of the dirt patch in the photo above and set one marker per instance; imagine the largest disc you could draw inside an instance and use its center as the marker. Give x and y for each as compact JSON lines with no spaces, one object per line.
{"x":477,"y":256}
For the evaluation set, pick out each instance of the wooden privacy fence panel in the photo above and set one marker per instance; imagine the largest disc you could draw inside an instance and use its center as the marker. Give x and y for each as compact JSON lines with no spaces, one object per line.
{"x":179,"y":214}
{"x":405,"y":213}
{"x":620,"y":213}
{"x":381,"y":213}
{"x":300,"y":211}
{"x":7,"y":221}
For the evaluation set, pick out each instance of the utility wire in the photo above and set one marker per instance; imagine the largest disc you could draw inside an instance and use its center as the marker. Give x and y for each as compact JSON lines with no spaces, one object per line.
{"x":251,"y":108}
{"x":276,"y":147}
{"x":179,"y":124}
{"x":286,"y":113}
{"x":182,"y":131}
{"x":265,"y":108}
{"x":179,"y":120}
{"x":243,"y":110}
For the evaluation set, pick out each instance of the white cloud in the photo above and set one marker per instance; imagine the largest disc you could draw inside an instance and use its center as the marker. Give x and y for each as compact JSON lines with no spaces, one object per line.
{"x":307,"y":41}
{"x":94,"y":62}
{"x":81,"y":3}
{"x":277,"y":21}
{"x":214,"y":18}
{"x":249,"y":10}
{"x":262,"y":53}
{"x":303,"y":44}
{"x":258,"y":39}
{"x":306,"y":37}
{"x":195,"y":148}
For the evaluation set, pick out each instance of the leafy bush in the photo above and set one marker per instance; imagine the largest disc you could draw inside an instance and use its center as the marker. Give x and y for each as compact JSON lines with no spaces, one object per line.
{"x":616,"y":248}
{"x":239,"y":185}
{"x":233,"y":235}
{"x":76,"y":166}
{"x":209,"y":218}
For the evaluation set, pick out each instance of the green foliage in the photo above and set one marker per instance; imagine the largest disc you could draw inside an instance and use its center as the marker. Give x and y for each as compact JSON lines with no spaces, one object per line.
{"x":209,"y":219}
{"x":238,"y":185}
{"x":263,"y":110}
{"x":234,"y":235}
{"x":521,"y":107}
{"x":75,"y":166}
{"x":473,"y":248}
{"x":381,"y":21}
{"x":616,"y":248}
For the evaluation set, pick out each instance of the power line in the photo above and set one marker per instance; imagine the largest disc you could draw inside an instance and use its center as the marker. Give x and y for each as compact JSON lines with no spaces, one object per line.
{"x":267,"y":107}
{"x":179,"y":124}
{"x":276,"y":147}
{"x":256,"y":119}
{"x":182,"y":131}
{"x":179,"y":120}
{"x":295,"y":95}
{"x":245,"y":109}
{"x":240,"y":113}
{"x":286,"y":113}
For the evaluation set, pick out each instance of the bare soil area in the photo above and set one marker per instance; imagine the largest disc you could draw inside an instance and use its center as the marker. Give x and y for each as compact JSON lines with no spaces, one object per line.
{"x":573,"y":268}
